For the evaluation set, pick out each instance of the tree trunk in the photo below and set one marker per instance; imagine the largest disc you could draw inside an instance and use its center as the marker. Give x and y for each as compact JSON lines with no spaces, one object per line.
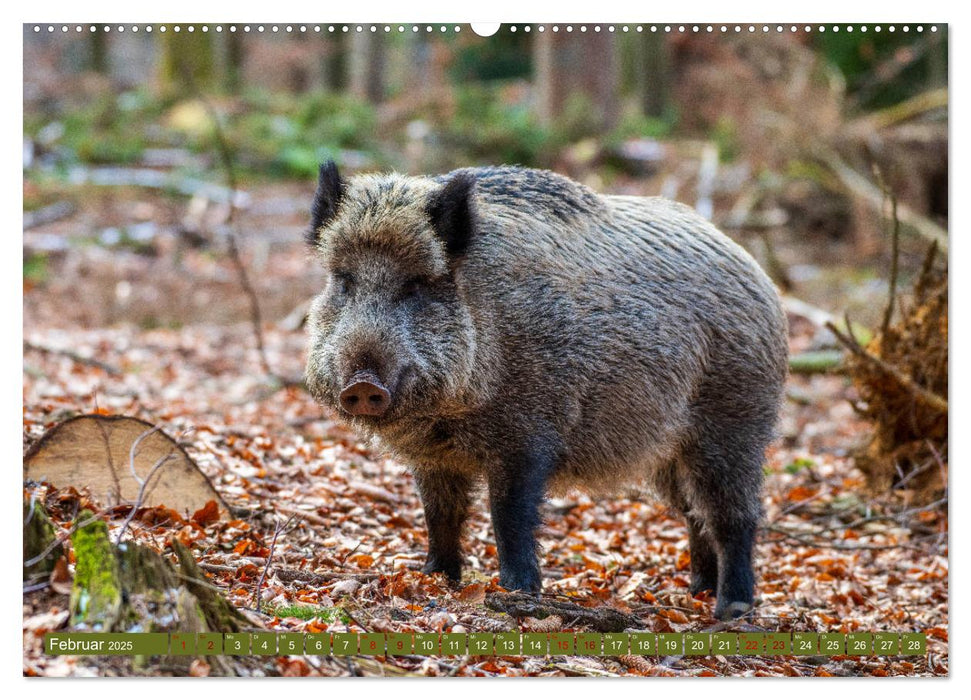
{"x":577,"y":68}
{"x":367,"y":66}
{"x":653,"y":74}
{"x":187,"y":61}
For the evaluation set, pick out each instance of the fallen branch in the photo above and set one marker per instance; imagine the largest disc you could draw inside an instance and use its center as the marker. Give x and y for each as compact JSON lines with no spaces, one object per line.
{"x":48,"y":215}
{"x":319,"y":579}
{"x":74,"y":357}
{"x":813,"y":314}
{"x":815,"y":362}
{"x":802,"y":538}
{"x":583,"y":671}
{"x":601,"y":619}
{"x":870,"y":194}
{"x":900,"y":112}
{"x":895,"y":254}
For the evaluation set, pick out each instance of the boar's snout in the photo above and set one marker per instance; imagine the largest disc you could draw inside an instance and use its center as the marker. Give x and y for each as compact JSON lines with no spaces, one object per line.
{"x":365,"y":395}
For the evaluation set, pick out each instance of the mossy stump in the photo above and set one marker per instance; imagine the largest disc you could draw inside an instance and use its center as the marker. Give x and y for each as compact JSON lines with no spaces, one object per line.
{"x":96,"y":595}
{"x":39,"y":537}
{"x":130,"y":588}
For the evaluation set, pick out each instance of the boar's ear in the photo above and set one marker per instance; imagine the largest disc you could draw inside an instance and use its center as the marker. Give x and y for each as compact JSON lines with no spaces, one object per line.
{"x":330,"y":190}
{"x":451,"y":212}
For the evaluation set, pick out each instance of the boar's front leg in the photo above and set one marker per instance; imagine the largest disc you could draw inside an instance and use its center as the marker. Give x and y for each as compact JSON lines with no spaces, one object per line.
{"x":516,"y":489}
{"x":445,"y":496}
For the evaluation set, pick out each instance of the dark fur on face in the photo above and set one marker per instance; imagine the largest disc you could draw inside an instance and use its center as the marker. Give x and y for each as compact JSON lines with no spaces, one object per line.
{"x":538,"y":336}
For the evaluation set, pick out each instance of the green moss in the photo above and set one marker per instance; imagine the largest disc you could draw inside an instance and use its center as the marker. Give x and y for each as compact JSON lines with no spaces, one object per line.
{"x":308,"y":612}
{"x":35,"y":268}
{"x":96,"y":594}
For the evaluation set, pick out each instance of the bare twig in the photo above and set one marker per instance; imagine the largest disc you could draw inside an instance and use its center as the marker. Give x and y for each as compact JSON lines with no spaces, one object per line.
{"x":133,"y":452}
{"x":143,"y":484}
{"x":940,"y":466}
{"x":895,"y":254}
{"x":269,"y":558}
{"x":141,"y":495}
{"x":225,"y":154}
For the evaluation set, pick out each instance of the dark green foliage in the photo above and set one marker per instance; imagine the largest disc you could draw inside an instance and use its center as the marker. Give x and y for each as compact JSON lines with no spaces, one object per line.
{"x":922,"y":57}
{"x":500,"y":57}
{"x":490,"y":129}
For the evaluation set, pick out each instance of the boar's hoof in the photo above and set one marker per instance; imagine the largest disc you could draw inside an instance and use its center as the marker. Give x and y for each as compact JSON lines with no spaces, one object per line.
{"x":451,"y":569}
{"x":730,"y":611}
{"x":365,"y":395}
{"x":701,"y":583}
{"x":526,"y":581}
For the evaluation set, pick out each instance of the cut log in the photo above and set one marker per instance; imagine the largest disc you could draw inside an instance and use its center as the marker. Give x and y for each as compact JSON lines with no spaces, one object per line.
{"x":101,"y":453}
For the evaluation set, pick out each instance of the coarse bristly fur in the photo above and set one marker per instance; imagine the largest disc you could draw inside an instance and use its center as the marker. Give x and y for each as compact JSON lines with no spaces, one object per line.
{"x":539,"y":336}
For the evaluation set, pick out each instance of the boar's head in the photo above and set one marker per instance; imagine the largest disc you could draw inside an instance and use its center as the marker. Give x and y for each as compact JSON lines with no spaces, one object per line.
{"x":391,"y":335}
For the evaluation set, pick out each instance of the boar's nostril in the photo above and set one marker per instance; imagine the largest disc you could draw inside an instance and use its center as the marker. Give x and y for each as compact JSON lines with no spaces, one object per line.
{"x":365,"y":395}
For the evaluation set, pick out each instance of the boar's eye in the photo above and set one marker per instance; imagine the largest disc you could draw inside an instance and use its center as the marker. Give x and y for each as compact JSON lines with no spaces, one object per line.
{"x":343,"y":282}
{"x":412,"y":289}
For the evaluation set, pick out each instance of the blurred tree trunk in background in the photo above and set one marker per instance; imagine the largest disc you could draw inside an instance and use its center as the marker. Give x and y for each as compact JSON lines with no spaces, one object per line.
{"x":299,"y":79}
{"x":335,"y":62}
{"x":233,"y":66}
{"x":99,"y":51}
{"x":652,"y":76}
{"x":187,"y":61}
{"x":577,"y":67}
{"x":367,"y":58}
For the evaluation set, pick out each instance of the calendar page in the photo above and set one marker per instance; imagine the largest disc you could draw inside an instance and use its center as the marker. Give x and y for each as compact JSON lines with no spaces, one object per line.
{"x":481,"y":350}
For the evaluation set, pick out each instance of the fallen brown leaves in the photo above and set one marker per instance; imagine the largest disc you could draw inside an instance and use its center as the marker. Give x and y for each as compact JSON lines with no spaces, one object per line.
{"x":829,"y":559}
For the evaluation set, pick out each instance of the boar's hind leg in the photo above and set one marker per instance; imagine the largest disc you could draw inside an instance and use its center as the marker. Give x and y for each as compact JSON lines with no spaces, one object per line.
{"x":516,"y":489}
{"x":724,"y":487}
{"x":704,"y":557}
{"x":445,"y":496}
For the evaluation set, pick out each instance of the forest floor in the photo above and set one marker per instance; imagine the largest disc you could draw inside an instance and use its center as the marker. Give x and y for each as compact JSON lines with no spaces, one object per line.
{"x":169,"y":320}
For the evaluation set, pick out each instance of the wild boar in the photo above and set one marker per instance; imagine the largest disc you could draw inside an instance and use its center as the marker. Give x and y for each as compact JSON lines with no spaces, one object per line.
{"x":511,"y":326}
